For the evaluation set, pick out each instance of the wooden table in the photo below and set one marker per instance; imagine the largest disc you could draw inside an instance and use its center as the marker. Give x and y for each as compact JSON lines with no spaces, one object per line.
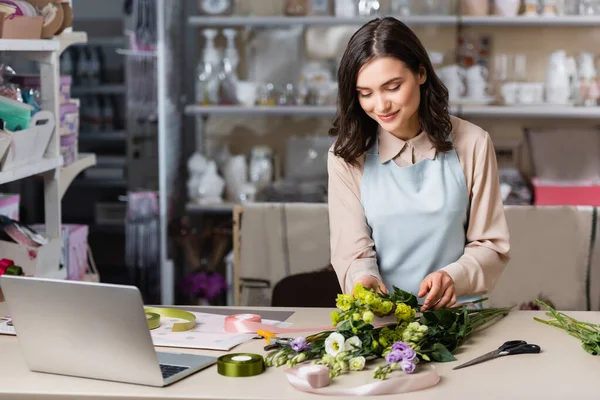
{"x":562,"y":371}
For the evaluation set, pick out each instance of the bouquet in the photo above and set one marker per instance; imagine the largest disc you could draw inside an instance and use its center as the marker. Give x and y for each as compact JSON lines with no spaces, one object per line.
{"x":430,"y":336}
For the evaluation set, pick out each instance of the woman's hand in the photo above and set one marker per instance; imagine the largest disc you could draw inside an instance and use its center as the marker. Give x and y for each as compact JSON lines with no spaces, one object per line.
{"x":370,"y":282}
{"x":440,"y":287}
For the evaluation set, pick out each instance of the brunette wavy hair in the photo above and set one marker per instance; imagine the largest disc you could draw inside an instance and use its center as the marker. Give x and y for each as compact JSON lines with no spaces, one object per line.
{"x":386,"y":37}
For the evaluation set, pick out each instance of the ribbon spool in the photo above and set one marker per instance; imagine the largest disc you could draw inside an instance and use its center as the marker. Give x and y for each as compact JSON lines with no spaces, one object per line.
{"x":153,"y":317}
{"x":240,"y":365}
{"x":153,"y":320}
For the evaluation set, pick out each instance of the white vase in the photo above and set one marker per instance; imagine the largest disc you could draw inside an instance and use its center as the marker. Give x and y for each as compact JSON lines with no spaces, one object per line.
{"x":507,"y":8}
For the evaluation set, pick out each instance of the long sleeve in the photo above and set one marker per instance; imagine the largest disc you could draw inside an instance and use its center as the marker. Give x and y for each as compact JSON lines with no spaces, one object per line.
{"x":352,"y":249}
{"x":487,"y":249}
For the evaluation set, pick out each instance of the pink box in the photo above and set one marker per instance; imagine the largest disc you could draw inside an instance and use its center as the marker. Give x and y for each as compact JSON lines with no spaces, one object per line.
{"x":78,"y":251}
{"x":553,"y":193}
{"x":9,"y":205}
{"x":69,"y":148}
{"x":69,"y":118}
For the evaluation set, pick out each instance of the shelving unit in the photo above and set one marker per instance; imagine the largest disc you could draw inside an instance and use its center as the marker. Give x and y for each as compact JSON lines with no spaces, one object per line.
{"x":56,"y":177}
{"x":425,"y":20}
{"x":40,"y":167}
{"x":102,"y":89}
{"x":541,"y":111}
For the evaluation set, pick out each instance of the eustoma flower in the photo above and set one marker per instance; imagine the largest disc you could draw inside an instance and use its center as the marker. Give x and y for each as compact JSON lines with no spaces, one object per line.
{"x":299,"y":344}
{"x":334,"y":344}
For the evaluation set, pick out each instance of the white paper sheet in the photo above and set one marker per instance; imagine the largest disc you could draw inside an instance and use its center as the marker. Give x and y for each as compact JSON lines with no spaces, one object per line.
{"x":208,"y":334}
{"x":6,"y":329}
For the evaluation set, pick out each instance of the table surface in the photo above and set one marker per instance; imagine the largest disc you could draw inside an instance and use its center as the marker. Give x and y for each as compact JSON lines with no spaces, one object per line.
{"x":562,"y":370}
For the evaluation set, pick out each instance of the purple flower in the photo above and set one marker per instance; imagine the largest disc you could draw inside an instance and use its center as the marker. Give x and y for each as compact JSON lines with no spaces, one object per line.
{"x":406,"y":352}
{"x":393,"y":357}
{"x":400,"y":346}
{"x":299,"y":344}
{"x":407,"y":366}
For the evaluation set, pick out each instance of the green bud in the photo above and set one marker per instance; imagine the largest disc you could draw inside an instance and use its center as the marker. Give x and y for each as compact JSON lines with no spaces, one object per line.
{"x":328,"y":359}
{"x":423,"y":329}
{"x":368,"y":317}
{"x":299,"y":358}
{"x":344,"y":366}
{"x":342,"y":356}
{"x":280,"y":361}
{"x":356,"y":317}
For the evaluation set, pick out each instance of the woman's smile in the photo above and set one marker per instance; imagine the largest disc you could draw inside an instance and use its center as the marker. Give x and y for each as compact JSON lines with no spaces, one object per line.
{"x":387,"y":117}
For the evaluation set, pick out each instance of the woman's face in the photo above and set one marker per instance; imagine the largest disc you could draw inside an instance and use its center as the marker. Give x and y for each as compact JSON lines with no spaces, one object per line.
{"x":389,"y":92}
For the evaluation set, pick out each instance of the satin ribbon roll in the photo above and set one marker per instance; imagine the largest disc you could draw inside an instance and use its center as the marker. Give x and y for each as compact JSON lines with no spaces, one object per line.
{"x":252,"y":323}
{"x":153,"y":320}
{"x":308,"y":379}
{"x":172,"y":313}
{"x":240,"y":365}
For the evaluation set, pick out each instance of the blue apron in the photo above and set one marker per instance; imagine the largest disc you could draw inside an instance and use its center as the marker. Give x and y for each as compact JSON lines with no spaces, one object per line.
{"x":417,"y":214}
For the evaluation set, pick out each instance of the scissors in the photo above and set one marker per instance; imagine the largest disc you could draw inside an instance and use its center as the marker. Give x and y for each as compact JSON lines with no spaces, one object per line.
{"x":277,"y":343}
{"x":508,"y":348}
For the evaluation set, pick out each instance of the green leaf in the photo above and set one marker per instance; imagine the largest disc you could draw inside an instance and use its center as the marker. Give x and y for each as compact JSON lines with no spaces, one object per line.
{"x":345,"y":327}
{"x":401,"y":296}
{"x":440,"y":353}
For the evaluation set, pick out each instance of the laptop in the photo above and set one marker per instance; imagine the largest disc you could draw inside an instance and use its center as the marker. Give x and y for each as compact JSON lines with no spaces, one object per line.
{"x":90,"y":330}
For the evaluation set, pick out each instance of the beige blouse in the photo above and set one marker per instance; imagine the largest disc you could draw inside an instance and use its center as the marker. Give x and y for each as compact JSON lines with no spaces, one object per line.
{"x":487,"y":248}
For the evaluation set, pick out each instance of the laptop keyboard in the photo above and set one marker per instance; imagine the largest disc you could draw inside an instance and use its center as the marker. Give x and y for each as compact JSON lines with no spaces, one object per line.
{"x":170,"y":370}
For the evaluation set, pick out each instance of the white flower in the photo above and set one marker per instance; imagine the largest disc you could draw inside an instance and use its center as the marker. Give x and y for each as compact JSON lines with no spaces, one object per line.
{"x":357,"y":363}
{"x":334,"y":344}
{"x":351,"y":343}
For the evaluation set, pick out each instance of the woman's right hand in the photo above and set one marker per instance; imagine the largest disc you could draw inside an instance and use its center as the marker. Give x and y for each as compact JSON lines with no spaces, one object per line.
{"x":370,"y":282}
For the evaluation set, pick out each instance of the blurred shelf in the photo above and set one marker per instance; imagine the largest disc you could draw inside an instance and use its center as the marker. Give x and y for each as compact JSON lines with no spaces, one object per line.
{"x":28,"y":170}
{"x":58,"y":43}
{"x":497,"y":20}
{"x":523,"y":111}
{"x":29,"y":45}
{"x":261,"y":110}
{"x":222,"y":208}
{"x":69,"y":39}
{"x":100,"y":183}
{"x":68,"y":173}
{"x":415,"y":20}
{"x":106,"y":136}
{"x":137,"y":53}
{"x":274,"y":21}
{"x":114,"y":41}
{"x":100,"y":89}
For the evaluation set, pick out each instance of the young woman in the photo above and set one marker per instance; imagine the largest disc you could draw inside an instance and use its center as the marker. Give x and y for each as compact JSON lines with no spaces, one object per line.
{"x":414,"y":197}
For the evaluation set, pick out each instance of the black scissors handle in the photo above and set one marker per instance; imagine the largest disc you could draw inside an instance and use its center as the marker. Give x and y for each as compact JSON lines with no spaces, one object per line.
{"x":510,"y":344}
{"x":523,"y":349}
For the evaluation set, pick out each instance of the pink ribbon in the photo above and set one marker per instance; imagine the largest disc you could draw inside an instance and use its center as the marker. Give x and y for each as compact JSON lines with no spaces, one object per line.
{"x":252,"y":323}
{"x":313,"y":378}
